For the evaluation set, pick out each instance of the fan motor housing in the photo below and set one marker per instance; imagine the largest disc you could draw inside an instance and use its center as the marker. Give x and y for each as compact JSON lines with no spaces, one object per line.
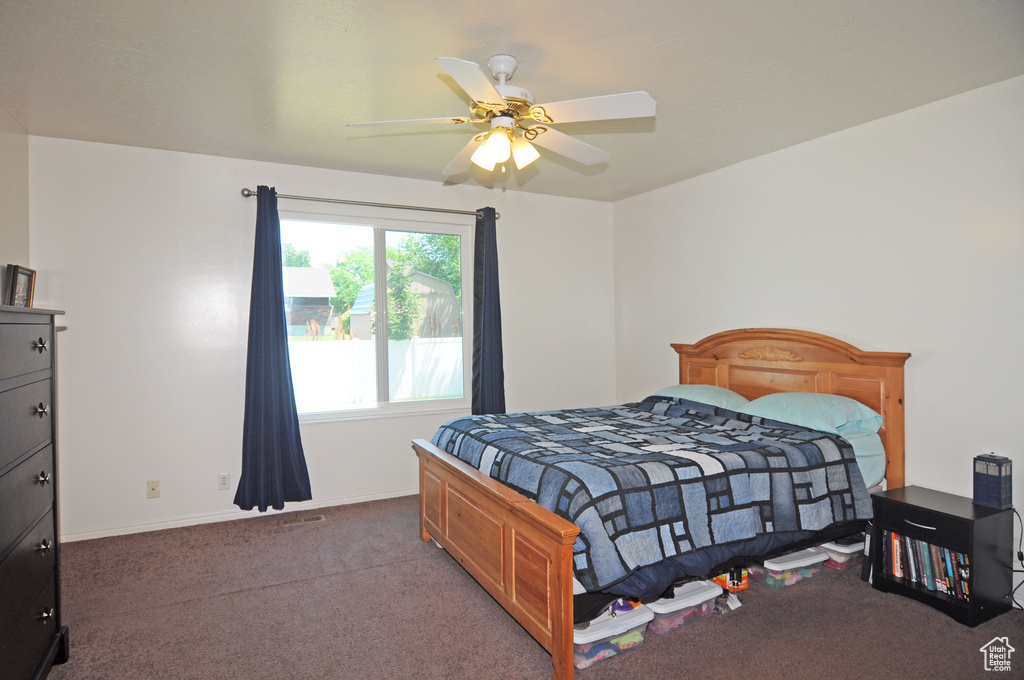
{"x":514,"y":106}
{"x":515,"y":93}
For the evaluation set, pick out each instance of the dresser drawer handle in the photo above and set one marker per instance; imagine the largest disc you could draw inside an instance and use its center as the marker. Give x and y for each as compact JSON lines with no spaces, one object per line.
{"x":47,"y":615}
{"x":43,"y":478}
{"x":45,"y":545}
{"x":39,"y":345}
{"x":919,"y":526}
{"x":42,"y":409}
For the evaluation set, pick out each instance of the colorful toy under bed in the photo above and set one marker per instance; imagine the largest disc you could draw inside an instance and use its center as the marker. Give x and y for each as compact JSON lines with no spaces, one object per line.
{"x":691,"y":602}
{"x":790,"y":569}
{"x":618,"y":629}
{"x":734,"y":580}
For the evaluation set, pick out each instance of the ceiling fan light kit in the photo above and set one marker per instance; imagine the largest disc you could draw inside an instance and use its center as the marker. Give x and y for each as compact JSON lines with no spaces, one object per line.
{"x":515,"y":119}
{"x":497,"y":144}
{"x":503,"y":141}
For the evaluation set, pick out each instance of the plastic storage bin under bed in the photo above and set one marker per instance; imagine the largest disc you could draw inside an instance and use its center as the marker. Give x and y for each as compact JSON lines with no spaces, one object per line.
{"x":843,"y":556}
{"x":692,"y":602}
{"x":611,"y":633}
{"x":790,"y":569}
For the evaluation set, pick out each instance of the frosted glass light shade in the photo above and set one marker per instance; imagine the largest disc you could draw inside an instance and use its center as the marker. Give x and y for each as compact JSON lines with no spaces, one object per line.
{"x":523,"y":152}
{"x":496,"y":149}
{"x":481,"y":158}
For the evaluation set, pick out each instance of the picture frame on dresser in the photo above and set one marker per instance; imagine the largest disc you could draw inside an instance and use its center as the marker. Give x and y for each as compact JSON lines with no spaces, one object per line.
{"x":21,"y":286}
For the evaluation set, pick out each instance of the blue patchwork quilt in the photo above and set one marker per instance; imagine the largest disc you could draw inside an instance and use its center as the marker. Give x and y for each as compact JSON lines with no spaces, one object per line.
{"x":664,"y":477}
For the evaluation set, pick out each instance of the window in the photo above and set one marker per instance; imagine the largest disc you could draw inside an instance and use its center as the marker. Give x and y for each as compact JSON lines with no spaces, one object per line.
{"x":375,"y":314}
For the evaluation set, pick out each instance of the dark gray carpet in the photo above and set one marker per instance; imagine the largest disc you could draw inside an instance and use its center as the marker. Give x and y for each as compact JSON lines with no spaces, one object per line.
{"x":360,"y":596}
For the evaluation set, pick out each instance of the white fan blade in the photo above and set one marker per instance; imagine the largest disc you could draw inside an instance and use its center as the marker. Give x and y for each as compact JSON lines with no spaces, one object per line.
{"x":606,"y":107}
{"x":564,"y":145}
{"x":472,"y":79}
{"x":461,"y":162}
{"x":459,"y":120}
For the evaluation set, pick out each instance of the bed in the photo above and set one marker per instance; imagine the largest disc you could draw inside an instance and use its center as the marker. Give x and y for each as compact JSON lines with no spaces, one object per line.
{"x":523,"y":554}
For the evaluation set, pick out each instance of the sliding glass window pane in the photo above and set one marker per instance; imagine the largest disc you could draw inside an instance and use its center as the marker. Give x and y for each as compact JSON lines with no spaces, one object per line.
{"x":424,"y":302}
{"x":328,"y":292}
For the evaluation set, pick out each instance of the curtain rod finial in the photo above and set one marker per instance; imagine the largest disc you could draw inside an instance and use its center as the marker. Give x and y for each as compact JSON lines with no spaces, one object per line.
{"x":246,"y":192}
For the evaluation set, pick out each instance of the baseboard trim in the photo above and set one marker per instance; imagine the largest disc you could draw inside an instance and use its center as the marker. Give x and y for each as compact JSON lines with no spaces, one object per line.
{"x":228,"y":515}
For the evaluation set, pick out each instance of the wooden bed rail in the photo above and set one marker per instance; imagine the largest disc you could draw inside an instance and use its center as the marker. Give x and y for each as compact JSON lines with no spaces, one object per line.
{"x":519,"y":551}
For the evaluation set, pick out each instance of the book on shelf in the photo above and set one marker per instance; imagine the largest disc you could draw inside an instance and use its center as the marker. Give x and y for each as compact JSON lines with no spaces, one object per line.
{"x":925,"y":553}
{"x":956,"y":576}
{"x":911,"y":566}
{"x":938,"y":583}
{"x":950,"y":585}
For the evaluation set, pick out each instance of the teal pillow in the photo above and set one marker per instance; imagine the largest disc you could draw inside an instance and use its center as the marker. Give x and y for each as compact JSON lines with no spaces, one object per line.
{"x":870,"y":454}
{"x":706,"y":394}
{"x":823,"y":412}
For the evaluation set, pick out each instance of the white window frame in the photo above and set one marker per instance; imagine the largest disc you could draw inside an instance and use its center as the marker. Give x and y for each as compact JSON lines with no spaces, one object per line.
{"x":382,"y":223}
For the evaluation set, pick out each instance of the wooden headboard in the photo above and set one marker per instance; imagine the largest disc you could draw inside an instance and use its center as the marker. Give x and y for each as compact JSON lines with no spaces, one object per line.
{"x":758,"y":361}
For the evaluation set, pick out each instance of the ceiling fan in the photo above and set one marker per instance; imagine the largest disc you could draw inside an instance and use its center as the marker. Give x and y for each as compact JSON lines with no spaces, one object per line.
{"x":517,"y":123}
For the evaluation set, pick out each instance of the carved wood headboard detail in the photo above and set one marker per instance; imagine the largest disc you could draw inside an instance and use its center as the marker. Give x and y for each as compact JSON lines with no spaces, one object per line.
{"x":759,"y":361}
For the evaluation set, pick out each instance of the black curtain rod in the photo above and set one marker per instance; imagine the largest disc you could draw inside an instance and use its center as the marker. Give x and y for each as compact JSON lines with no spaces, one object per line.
{"x":249,"y":192}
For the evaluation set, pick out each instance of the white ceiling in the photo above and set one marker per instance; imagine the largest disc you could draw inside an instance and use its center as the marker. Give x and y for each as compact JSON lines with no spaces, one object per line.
{"x":278,"y":81}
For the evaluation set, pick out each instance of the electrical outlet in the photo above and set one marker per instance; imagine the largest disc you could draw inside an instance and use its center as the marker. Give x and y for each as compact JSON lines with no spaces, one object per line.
{"x":153,"y":488}
{"x":224,"y":481}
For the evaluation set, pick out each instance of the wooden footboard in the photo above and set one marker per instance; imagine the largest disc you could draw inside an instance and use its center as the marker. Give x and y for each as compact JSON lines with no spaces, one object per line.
{"x":516,"y":549}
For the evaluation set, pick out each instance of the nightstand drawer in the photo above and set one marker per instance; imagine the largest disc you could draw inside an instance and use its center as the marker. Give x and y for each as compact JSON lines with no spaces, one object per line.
{"x":24,"y":348}
{"x":25,"y":638}
{"x":25,"y":423}
{"x":924,"y":525}
{"x":25,"y":493}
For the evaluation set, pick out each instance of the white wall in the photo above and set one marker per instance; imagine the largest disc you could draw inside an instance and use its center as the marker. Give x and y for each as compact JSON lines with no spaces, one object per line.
{"x":150,"y":254}
{"x":905,"y":234}
{"x":13,"y":194}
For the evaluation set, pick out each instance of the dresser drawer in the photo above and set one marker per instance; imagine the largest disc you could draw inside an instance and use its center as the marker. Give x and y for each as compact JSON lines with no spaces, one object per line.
{"x":25,"y":639}
{"x":23,"y":497}
{"x":26,"y":571}
{"x":20,"y":346}
{"x":24,"y":425}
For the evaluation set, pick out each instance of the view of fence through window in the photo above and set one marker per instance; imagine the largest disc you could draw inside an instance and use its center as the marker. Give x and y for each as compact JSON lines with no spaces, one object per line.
{"x":332,"y":272}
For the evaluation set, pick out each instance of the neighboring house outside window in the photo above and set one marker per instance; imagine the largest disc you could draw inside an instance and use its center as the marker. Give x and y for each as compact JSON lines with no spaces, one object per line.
{"x":307,"y":299}
{"x":440,"y":314}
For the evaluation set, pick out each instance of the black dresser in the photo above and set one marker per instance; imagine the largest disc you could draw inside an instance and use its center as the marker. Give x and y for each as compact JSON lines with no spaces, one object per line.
{"x":32,"y":638}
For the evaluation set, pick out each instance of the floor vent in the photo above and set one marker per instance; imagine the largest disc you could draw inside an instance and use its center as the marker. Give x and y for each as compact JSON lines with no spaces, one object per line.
{"x":292,"y":521}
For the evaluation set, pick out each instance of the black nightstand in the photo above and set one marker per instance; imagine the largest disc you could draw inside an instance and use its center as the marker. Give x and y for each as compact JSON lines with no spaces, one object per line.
{"x":933,"y":518}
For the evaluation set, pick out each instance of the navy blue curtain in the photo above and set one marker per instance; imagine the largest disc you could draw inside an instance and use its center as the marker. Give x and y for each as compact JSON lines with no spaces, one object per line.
{"x":488,"y":368}
{"x":273,"y":465}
